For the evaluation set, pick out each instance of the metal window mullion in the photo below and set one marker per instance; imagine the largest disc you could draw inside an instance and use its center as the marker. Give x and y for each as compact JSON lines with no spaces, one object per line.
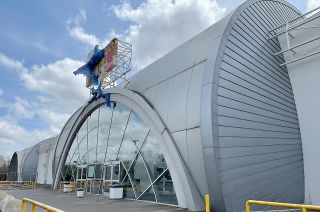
{"x":87,"y":139}
{"x":124,"y":132}
{"x":127,"y":174}
{"x":144,"y":162}
{"x":152,"y":183}
{"x":105,"y":154}
{"x":136,"y":154}
{"x":98,"y":126}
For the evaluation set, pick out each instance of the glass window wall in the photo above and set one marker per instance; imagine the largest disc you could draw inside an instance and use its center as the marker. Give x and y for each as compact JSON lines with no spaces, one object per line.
{"x":114,"y":145}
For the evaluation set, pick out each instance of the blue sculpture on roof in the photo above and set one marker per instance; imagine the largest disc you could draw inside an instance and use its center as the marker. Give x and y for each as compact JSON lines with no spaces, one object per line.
{"x":88,"y":70}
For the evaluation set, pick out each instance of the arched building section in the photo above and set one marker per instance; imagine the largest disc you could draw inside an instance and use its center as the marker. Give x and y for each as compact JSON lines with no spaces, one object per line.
{"x":185,"y":189}
{"x":44,"y":168}
{"x":13,"y":168}
{"x":114,"y":145}
{"x":29,"y":165}
{"x":255,"y":142}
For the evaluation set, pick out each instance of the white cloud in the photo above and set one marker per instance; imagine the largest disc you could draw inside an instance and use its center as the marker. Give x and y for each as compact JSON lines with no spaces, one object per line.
{"x":60,"y":89}
{"x":79,"y":34}
{"x":1,"y":92}
{"x":59,"y":94}
{"x":159,"y":26}
{"x":80,"y":18}
{"x":14,"y":137}
{"x":21,"y":109}
{"x":10,"y":63}
{"x":312,"y":4}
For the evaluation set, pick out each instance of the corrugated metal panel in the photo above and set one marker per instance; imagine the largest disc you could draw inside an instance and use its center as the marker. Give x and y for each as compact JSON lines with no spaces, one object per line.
{"x":258,"y":150}
{"x":30,"y":164}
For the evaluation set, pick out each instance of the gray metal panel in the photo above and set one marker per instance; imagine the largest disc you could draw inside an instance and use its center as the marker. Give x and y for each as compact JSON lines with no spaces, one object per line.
{"x":13,"y":168}
{"x":258,"y":149}
{"x":30,"y":164}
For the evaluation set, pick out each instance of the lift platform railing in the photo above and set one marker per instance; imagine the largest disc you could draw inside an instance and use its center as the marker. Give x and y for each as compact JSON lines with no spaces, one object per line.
{"x":294,"y":23}
{"x":34,"y":204}
{"x":304,"y":208}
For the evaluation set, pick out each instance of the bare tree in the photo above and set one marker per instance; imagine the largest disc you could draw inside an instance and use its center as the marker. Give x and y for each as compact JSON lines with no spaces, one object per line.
{"x":4,"y":166}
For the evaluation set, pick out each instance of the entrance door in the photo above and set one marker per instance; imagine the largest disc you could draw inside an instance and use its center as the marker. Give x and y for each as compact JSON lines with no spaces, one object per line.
{"x":81,"y":176}
{"x":112,"y":173}
{"x":95,"y":178}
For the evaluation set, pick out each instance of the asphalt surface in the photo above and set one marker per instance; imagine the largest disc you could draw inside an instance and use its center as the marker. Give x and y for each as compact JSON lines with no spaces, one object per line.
{"x":90,"y":203}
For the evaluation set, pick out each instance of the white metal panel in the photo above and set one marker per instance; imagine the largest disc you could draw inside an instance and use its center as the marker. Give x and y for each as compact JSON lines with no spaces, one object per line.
{"x":180,"y":139}
{"x":194,"y":97}
{"x":195,"y":154}
{"x":151,"y":94}
{"x":177,"y":111}
{"x":162,"y":99}
{"x":305,"y":80}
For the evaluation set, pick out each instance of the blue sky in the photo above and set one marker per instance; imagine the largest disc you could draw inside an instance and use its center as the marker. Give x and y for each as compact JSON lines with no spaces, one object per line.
{"x":42,"y":42}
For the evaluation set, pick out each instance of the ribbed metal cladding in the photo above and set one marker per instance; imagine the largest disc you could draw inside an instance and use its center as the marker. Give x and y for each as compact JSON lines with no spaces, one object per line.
{"x":258,"y":150}
{"x":30,"y":164}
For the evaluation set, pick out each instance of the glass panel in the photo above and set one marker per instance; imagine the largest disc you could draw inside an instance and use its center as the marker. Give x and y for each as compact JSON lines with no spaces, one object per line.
{"x":153,"y":157}
{"x":116,"y":173}
{"x":120,"y":116}
{"x":91,"y":171}
{"x":137,"y":129}
{"x":103,"y":135}
{"x":114,"y":142}
{"x":79,"y":173}
{"x":82,"y":133}
{"x":98,"y":171}
{"x":105,"y":116}
{"x":92,"y":145}
{"x":100,"y":154}
{"x":165,"y":190}
{"x":148,"y":195}
{"x":84,"y":173}
{"x":139,"y":176}
{"x":127,"y":189}
{"x":108,"y":173}
{"x":93,"y":119}
{"x":127,"y":152}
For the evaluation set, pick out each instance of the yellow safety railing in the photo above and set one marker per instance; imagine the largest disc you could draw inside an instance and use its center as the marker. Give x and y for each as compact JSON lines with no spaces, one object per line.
{"x":304,"y":208}
{"x":16,"y":184}
{"x":35,"y":204}
{"x":71,"y":185}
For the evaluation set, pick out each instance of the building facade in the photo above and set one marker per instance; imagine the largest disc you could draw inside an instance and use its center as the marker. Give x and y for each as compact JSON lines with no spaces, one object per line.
{"x":217,"y":116}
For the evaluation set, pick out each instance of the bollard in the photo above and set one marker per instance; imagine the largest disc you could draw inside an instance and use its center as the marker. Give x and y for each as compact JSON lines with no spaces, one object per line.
{"x":207,"y":200}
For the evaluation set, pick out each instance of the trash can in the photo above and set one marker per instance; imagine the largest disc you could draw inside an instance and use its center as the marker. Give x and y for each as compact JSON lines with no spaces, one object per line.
{"x":116,"y":191}
{"x":80,"y":192}
{"x":66,"y":188}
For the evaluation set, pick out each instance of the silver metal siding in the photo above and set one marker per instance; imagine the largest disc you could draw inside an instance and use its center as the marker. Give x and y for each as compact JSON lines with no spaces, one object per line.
{"x":258,"y":148}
